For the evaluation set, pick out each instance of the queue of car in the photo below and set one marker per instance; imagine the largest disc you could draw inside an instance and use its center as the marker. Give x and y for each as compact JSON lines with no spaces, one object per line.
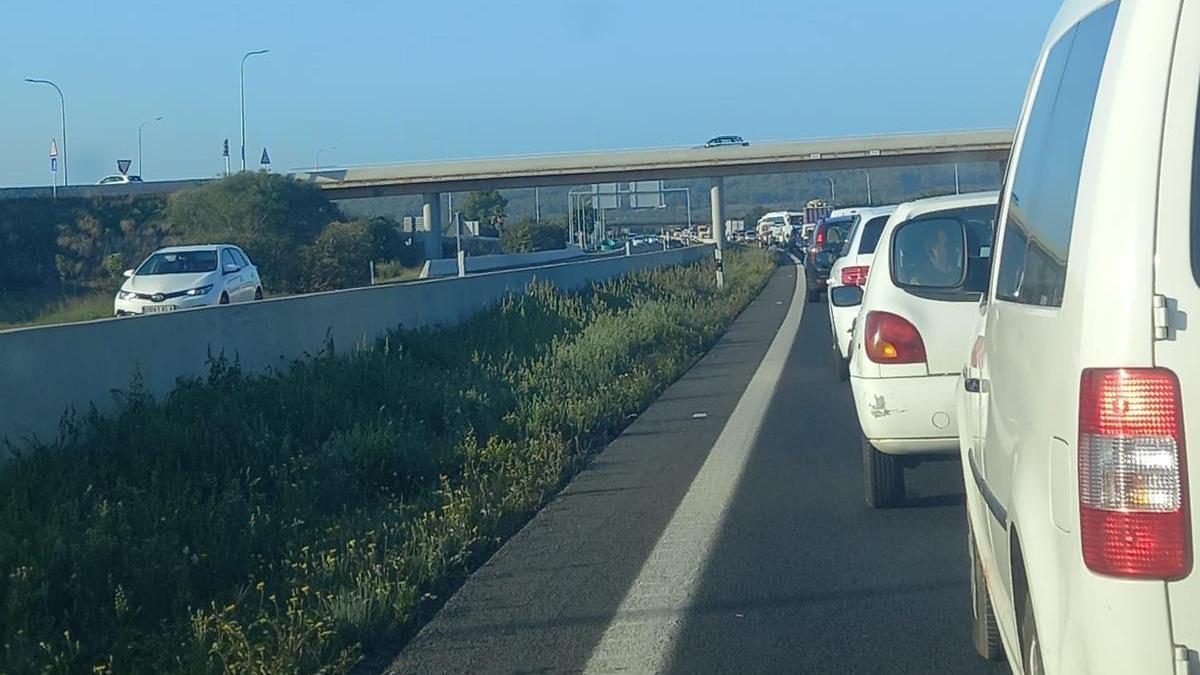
{"x":1040,"y":336}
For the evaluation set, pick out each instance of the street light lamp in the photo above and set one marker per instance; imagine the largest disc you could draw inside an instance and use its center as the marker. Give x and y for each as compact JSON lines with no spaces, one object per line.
{"x":317,"y":161}
{"x":141,"y":170}
{"x":62,"y":108}
{"x":243,"y":98}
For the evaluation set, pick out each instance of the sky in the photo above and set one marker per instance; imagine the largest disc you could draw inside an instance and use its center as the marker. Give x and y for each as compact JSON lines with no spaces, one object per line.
{"x":397,"y":81}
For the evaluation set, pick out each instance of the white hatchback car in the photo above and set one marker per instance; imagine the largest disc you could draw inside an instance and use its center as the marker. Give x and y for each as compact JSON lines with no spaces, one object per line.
{"x":851,"y":269}
{"x":1083,"y":378}
{"x":181,"y":277}
{"x":915,"y":314}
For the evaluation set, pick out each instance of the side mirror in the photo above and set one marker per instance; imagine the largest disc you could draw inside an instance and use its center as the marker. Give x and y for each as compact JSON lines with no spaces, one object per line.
{"x":846,"y":296}
{"x":231,"y":269}
{"x":128,"y":274}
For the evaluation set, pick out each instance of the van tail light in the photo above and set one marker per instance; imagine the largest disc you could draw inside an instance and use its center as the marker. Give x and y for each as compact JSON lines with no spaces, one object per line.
{"x":820,"y":240}
{"x":855,"y":276}
{"x":1133,"y":498}
{"x":892,"y":339}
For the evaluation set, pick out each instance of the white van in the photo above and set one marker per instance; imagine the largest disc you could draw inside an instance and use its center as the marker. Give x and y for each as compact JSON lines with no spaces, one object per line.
{"x":1083,"y":378}
{"x":850,"y":269}
{"x":916,"y":312}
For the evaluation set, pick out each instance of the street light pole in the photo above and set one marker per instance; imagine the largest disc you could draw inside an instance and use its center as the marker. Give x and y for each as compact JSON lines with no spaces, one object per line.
{"x":62,"y":109}
{"x":832,"y":192}
{"x":867,"y":173}
{"x":243,"y":99}
{"x":141,"y":169}
{"x":317,"y":160}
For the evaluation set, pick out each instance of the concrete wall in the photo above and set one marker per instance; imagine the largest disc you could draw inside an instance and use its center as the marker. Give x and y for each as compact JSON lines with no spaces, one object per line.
{"x":448,"y":267}
{"x":44,"y":371}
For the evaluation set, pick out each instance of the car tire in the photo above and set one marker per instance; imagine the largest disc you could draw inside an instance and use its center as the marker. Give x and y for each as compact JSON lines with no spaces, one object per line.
{"x":814,"y":294}
{"x":224,"y":299}
{"x":883,"y":477}
{"x":985,"y":632}
{"x":258,"y":294}
{"x":843,"y":368}
{"x":1031,"y":646}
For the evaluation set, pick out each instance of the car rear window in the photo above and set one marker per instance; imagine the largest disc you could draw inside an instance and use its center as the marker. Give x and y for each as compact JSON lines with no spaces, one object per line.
{"x":870,"y":236}
{"x":1196,"y":199}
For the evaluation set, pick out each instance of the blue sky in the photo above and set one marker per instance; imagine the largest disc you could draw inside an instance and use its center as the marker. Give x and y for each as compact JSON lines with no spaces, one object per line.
{"x":403,"y":80}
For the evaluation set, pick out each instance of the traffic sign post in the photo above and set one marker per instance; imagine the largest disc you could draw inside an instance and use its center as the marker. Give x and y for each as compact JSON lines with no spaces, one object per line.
{"x":123,"y":166}
{"x":54,"y":168}
{"x":265,"y":161}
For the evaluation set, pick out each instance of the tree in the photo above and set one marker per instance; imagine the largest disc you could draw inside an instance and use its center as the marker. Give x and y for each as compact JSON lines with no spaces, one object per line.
{"x":527,"y":237}
{"x":487,"y":207}
{"x":272,"y":217}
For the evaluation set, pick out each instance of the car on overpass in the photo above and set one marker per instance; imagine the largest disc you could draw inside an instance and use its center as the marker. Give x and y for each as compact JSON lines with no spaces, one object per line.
{"x":1081,"y":382}
{"x":725,"y":141}
{"x":915,"y":315}
{"x":119,"y":179}
{"x":183,"y":277}
{"x":851,"y":269}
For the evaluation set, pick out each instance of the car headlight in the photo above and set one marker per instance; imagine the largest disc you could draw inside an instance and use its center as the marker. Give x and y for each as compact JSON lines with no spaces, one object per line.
{"x":125,"y":295}
{"x":203,"y":290}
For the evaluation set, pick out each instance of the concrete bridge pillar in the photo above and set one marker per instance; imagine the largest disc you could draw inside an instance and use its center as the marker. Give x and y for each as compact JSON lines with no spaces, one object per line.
{"x":432,"y":214}
{"x":717,"y":199}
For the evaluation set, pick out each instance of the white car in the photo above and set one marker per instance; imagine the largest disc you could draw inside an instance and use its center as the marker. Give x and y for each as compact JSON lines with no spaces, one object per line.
{"x":851,"y":269}
{"x":181,"y":277}
{"x":119,"y":179}
{"x":915,"y":314}
{"x":1083,"y":378}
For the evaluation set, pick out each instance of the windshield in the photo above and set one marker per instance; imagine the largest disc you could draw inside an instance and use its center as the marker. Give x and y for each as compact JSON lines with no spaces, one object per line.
{"x":179,"y":262}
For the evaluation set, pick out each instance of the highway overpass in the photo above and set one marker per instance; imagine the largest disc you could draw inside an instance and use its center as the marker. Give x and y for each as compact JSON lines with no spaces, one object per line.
{"x":430,"y":179}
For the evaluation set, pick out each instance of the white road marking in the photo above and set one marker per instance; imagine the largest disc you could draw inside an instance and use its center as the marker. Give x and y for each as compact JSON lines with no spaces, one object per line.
{"x":641,"y":636}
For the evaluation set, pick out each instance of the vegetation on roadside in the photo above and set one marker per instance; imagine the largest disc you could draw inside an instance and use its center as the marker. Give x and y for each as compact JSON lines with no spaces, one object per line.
{"x":290,"y":522}
{"x":527,"y":236}
{"x":35,"y":307}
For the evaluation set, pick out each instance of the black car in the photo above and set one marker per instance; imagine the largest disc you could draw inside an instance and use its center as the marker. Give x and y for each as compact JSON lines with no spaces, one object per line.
{"x":822,"y":249}
{"x":720,"y":141}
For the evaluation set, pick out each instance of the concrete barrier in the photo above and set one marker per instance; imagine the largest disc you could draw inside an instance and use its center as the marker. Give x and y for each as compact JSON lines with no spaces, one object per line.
{"x":448,"y":267}
{"x":45,"y":371}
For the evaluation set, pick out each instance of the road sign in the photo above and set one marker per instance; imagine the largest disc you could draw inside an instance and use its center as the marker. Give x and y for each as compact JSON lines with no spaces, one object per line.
{"x":53,"y":148}
{"x":646,"y":194}
{"x":53,"y":164}
{"x":123,"y":166}
{"x":225,"y":153}
{"x":266,"y":159}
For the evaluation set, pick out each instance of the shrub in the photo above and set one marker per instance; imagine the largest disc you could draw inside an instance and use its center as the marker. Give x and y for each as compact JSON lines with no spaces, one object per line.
{"x":272,"y":217}
{"x":527,"y":237}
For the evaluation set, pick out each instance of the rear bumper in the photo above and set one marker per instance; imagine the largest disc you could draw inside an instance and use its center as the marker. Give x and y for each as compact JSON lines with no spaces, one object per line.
{"x":908,"y":415}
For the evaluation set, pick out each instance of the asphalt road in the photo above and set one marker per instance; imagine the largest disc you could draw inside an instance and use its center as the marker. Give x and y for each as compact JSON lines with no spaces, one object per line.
{"x":725,"y":531}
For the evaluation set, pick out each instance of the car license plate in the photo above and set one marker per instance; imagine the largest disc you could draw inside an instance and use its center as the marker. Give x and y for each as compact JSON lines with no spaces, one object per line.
{"x":156,"y":309}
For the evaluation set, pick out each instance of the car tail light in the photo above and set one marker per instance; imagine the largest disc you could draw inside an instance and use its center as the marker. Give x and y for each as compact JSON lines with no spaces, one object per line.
{"x":892,"y":339}
{"x":855,"y":276}
{"x":1133,"y":500}
{"x":820,"y":240}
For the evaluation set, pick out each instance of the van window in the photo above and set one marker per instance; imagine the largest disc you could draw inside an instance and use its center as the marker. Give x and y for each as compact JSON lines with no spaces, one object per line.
{"x":870,"y":236}
{"x":1196,"y":198}
{"x":1041,"y":210}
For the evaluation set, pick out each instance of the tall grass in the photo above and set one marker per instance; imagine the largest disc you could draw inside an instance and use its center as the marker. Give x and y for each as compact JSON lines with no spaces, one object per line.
{"x":39,"y":307}
{"x":291,"y":522}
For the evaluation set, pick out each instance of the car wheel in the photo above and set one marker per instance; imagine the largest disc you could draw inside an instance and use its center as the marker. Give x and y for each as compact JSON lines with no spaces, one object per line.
{"x":985,"y":632}
{"x":814,"y":294}
{"x":843,"y":368}
{"x":224,"y":299}
{"x":258,"y":293}
{"x":883,"y":477}
{"x":1031,"y":646}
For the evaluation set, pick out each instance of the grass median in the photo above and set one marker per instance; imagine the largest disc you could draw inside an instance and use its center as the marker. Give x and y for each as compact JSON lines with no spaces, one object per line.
{"x":295,"y":521}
